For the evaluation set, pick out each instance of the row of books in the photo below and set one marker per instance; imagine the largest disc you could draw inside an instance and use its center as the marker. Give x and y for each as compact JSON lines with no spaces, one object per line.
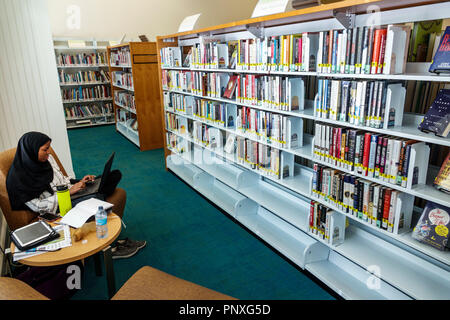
{"x":373,"y":155}
{"x":177,"y":102}
{"x":125,"y":99}
{"x":86,"y":93}
{"x":124,"y":79}
{"x":369,"y":201}
{"x":257,"y":156}
{"x":277,"y":130}
{"x":80,"y":111}
{"x":176,"y":143}
{"x":178,"y":124}
{"x":83,"y":76}
{"x":202,"y":83}
{"x":321,"y":222}
{"x":368,"y":50}
{"x":209,"y":53}
{"x":357,"y":102}
{"x":81,"y":59}
{"x":208,"y":110}
{"x":275,"y":92}
{"x":120,"y":56}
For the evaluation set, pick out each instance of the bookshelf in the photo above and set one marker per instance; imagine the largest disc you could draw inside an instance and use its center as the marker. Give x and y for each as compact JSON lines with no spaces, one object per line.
{"x":134,"y":72}
{"x":365,"y":261}
{"x":87,"y":100}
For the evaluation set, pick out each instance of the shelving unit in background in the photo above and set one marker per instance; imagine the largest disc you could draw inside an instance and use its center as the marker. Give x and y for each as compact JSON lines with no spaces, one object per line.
{"x":277,"y":209}
{"x":134,"y":84}
{"x":85,"y":104}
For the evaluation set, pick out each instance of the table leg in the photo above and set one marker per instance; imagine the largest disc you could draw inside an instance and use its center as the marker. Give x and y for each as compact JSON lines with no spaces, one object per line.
{"x":109,"y":268}
{"x":97,"y":265}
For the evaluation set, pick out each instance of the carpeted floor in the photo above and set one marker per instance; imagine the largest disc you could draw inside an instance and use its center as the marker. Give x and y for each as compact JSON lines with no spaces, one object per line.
{"x":186,"y":235}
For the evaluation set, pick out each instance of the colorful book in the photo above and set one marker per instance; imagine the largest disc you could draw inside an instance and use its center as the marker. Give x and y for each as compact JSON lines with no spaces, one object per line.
{"x":441,"y":60}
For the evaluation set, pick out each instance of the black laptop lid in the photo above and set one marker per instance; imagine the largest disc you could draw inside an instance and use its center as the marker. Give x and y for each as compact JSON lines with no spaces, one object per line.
{"x":106,"y":171}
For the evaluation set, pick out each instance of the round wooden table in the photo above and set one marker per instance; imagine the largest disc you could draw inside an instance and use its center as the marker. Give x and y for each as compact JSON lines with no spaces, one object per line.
{"x":88,"y":246}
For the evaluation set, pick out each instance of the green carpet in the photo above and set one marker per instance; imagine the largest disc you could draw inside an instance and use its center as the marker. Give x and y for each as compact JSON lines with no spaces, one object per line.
{"x":186,"y":235}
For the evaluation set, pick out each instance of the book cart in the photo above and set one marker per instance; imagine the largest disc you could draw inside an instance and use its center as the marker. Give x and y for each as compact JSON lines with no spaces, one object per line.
{"x":363,"y":261}
{"x":135,"y":90}
{"x":86,"y":103}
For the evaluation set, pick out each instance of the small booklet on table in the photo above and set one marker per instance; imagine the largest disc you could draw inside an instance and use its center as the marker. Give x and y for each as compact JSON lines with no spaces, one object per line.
{"x":78,"y":215}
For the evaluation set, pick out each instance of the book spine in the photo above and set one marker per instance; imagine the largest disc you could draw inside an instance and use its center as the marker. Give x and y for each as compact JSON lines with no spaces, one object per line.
{"x":381,"y":62}
{"x":376,"y":195}
{"x":380,"y":207}
{"x":378,"y":157}
{"x":366,"y":153}
{"x":372,"y":155}
{"x":386,"y":208}
{"x":406,"y":166}
{"x":376,"y":51}
{"x":392,"y":211}
{"x":353,"y":50}
{"x":348,"y":50}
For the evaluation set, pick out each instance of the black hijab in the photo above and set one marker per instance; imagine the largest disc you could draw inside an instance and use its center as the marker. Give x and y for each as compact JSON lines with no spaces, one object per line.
{"x":28,"y":177}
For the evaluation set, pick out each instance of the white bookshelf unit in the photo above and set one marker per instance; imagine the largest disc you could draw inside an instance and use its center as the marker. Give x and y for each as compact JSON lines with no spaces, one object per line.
{"x":86,"y":103}
{"x":365,"y":262}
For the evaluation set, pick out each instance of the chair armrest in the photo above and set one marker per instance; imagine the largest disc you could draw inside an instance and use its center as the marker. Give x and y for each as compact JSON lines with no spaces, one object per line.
{"x":14,"y":289}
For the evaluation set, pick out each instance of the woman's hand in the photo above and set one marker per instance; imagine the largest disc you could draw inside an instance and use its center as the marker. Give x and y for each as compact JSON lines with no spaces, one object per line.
{"x":77,"y":187}
{"x":88,"y":178}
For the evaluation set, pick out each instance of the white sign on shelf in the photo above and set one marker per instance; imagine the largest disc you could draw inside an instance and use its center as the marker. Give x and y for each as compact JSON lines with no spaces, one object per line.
{"x":76,"y":43}
{"x":188,"y":23}
{"x":266,"y":7}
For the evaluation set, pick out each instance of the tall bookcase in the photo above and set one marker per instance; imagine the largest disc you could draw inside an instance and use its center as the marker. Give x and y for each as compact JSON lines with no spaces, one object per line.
{"x":366,"y":262}
{"x":87,"y":102}
{"x":134,"y":83}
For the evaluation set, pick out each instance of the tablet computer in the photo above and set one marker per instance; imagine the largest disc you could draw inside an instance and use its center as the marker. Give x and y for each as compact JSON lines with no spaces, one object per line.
{"x":33,"y":234}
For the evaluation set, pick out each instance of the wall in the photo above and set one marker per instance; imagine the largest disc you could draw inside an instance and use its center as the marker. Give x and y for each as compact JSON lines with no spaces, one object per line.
{"x":30,"y":98}
{"x":110,"y":19}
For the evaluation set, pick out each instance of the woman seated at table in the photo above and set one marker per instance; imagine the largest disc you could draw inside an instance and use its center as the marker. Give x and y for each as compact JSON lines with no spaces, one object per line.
{"x":34,"y":175}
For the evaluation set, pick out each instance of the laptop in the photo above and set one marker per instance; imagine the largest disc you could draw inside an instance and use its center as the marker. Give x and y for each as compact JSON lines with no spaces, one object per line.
{"x":92,"y":188}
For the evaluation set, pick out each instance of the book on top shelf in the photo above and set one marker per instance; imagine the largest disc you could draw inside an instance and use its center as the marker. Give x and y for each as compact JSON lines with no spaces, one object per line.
{"x":441,"y":60}
{"x":437,"y":119}
{"x":442,"y":180}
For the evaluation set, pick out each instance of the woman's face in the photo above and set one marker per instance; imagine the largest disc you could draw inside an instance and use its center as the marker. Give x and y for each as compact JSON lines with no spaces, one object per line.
{"x":44,"y":151}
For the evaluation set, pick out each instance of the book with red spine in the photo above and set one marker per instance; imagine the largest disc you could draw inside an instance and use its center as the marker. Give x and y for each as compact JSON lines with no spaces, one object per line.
{"x":311,"y":216}
{"x":376,"y":51}
{"x":386,"y":208}
{"x":367,"y":138}
{"x":382,"y":51}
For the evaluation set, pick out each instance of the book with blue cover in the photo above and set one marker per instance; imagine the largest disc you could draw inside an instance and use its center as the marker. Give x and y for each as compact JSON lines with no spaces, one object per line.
{"x":441,"y":60}
{"x":437,"y":119}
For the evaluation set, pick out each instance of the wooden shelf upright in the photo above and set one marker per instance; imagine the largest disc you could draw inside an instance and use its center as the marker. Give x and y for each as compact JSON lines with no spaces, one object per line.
{"x":143,"y":65}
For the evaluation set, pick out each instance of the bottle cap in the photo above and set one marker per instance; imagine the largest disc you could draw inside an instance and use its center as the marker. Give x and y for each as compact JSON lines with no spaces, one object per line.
{"x":61,"y":187}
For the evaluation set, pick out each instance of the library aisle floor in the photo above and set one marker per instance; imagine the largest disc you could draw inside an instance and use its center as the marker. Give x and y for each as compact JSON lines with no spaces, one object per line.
{"x":186,"y":235}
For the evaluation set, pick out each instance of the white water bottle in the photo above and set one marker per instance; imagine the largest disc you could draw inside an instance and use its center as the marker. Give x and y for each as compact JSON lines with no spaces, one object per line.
{"x":101,"y":219}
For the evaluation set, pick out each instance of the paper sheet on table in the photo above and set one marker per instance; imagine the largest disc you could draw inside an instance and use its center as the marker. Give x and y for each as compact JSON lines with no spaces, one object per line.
{"x":78,"y":215}
{"x":64,"y":240}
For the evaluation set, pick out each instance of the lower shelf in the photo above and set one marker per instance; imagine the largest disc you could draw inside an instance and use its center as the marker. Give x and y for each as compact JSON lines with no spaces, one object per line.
{"x":130,"y":134}
{"x":278,"y":219}
{"x":351,"y":281}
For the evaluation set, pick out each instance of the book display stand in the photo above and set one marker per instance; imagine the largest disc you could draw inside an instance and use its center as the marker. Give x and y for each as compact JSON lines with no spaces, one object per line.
{"x":222,"y":109}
